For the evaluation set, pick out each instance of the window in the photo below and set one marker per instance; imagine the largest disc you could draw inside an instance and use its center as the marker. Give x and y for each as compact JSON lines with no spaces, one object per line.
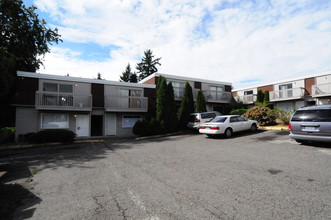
{"x":178,"y":89}
{"x":130,"y":92}
{"x":54,"y":87}
{"x":249,"y":92}
{"x":234,"y":119}
{"x":216,"y":92}
{"x":285,"y":90}
{"x":129,"y":121}
{"x":51,"y":121}
{"x":323,"y":115}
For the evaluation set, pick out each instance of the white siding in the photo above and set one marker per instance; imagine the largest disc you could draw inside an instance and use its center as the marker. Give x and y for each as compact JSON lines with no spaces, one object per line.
{"x":295,"y":84}
{"x":323,"y":79}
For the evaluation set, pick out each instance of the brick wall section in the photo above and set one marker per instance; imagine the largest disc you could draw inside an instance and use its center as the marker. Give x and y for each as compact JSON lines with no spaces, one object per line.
{"x":265,"y":88}
{"x":152,"y":81}
{"x":308,"y":84}
{"x":26,"y":91}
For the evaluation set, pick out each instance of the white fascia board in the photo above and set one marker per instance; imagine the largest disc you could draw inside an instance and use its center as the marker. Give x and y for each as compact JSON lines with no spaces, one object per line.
{"x":183,"y":78}
{"x":283,"y":81}
{"x":79,"y":79}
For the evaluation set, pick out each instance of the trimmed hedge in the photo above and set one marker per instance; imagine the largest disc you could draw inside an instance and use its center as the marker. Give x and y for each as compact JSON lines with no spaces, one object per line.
{"x":238,"y":111}
{"x":146,"y":128}
{"x":52,"y":135}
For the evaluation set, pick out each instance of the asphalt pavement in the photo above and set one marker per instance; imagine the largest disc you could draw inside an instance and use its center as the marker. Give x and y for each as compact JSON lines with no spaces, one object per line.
{"x":262,"y":175}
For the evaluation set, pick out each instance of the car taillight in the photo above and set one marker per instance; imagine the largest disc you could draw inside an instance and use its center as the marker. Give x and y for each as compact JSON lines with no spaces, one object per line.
{"x":289,"y":127}
{"x":197,"y":120}
{"x":215,"y":128}
{"x":202,"y":128}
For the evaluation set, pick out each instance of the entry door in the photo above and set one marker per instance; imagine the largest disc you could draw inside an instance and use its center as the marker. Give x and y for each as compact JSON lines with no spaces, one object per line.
{"x":111,"y":124}
{"x":82,"y":125}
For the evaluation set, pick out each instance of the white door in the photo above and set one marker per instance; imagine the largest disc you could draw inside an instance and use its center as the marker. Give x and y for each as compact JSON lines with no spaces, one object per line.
{"x":111,"y":124}
{"x":82,"y":125}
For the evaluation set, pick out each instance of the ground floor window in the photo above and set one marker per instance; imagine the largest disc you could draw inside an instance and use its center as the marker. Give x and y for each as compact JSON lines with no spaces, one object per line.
{"x":49,"y":121}
{"x":129,"y":121}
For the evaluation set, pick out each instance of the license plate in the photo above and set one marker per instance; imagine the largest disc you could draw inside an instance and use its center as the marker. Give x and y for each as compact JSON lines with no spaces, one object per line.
{"x":309,"y":129}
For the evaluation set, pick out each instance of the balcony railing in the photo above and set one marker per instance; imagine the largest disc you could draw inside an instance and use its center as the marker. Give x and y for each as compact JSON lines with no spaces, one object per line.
{"x":126,"y":103}
{"x":321,"y":90}
{"x":246,"y":99}
{"x":64,"y":101}
{"x":221,"y":97}
{"x":287,"y":94}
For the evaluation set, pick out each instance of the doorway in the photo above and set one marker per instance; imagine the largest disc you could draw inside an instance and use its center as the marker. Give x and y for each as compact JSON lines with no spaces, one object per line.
{"x":82,"y":125}
{"x":97,"y":125}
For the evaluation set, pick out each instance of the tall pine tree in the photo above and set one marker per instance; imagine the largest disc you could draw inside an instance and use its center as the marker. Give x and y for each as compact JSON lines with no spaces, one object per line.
{"x":147,"y":66}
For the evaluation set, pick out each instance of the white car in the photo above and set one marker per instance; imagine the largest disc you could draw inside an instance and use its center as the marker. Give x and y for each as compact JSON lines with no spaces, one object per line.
{"x":199,"y":118}
{"x":227,"y":125}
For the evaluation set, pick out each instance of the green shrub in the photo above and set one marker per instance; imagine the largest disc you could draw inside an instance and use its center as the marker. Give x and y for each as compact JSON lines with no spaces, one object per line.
{"x":146,"y":128}
{"x":282,"y":115}
{"x":7,"y":135}
{"x":238,"y":111}
{"x":52,"y":135}
{"x":264,"y":115}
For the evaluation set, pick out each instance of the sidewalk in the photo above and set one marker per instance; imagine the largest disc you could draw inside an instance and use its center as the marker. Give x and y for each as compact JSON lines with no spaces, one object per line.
{"x":278,"y":127}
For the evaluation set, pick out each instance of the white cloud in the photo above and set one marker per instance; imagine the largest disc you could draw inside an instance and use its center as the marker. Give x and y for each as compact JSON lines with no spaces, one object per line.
{"x":247,"y":40}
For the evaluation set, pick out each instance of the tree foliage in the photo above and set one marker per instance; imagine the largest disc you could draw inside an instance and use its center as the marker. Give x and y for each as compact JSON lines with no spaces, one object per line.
{"x":128,"y":75}
{"x":186,"y":106}
{"x":260,"y":96}
{"x":201,"y":103}
{"x":148,"y":64}
{"x":24,"y":40}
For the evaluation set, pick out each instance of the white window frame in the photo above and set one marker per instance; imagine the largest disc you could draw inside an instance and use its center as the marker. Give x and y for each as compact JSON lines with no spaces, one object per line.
{"x":66,"y":115}
{"x":127,"y":124}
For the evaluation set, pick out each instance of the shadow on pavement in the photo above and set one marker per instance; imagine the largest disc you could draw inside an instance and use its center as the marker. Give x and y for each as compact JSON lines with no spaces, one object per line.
{"x":16,"y":197}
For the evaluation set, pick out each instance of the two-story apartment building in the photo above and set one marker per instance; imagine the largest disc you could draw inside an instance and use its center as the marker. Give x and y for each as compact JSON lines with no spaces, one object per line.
{"x":217,"y":94}
{"x":88,"y":107}
{"x":291,"y":94}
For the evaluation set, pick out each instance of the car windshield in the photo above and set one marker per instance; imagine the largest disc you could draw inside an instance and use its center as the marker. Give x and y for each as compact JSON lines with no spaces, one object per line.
{"x":322,"y":115}
{"x":219,"y":119}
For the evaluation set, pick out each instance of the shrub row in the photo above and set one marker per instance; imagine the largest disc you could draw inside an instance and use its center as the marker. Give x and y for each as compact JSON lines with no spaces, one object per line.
{"x":238,"y":111}
{"x":51,"y":135}
{"x":7,"y":135}
{"x":264,"y":115}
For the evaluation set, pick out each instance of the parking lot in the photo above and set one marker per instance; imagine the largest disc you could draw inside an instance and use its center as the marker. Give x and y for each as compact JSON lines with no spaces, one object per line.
{"x":262,"y":175}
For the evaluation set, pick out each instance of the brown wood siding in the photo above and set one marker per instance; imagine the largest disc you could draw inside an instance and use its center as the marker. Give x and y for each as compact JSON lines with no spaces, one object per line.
{"x":152,"y":81}
{"x":266,"y":88}
{"x":197,"y":85}
{"x":97,"y":91}
{"x":309,"y":82}
{"x":26,"y":91}
{"x":227,"y":88}
{"x":151,"y":95}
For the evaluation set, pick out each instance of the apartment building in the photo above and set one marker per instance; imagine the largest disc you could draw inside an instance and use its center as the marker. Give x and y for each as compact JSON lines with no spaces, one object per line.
{"x":217,"y":94}
{"x":291,"y":94}
{"x":88,"y":107}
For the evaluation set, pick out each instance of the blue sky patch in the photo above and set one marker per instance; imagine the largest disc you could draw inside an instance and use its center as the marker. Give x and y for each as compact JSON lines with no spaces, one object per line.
{"x":250,"y":81}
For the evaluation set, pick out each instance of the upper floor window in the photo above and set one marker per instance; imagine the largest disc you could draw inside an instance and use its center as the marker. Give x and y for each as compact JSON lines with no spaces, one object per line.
{"x":130,"y":92}
{"x":216,"y":92}
{"x":55,"y":87}
{"x":285,"y":86}
{"x":178,"y":89}
{"x":248,"y":92}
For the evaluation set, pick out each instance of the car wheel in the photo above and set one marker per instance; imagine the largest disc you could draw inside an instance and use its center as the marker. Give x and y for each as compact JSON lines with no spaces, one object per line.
{"x":228,"y":132}
{"x":253,"y":127}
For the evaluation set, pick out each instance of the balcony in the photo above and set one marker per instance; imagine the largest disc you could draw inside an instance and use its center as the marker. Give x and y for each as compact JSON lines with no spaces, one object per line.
{"x":126,"y":104}
{"x":57,"y":101}
{"x":246,"y":99}
{"x":220,"y":97}
{"x":321,"y":90}
{"x":287,"y":94}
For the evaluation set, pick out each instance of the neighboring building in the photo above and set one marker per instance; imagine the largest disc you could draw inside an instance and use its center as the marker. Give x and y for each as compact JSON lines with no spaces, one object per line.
{"x":291,"y":94}
{"x":88,"y":107}
{"x":217,"y":94}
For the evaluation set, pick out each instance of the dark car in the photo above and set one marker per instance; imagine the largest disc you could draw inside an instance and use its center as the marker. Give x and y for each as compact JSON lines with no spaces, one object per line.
{"x":311,"y":124}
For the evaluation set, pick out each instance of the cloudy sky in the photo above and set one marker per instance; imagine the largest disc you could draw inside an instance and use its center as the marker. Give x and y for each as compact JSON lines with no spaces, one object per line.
{"x":245,"y":42}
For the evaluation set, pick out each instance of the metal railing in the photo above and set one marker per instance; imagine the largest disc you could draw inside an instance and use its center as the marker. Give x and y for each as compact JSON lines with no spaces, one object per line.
{"x":321,"y":90}
{"x":63,"y":101}
{"x":126,"y":103}
{"x":246,"y":99}
{"x":286,"y":94}
{"x":222,"y":97}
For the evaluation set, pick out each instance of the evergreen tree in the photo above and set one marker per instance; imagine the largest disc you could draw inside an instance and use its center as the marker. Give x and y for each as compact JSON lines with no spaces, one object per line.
{"x":161,"y":99}
{"x":260,"y":96}
{"x":133,"y":78}
{"x":147,"y":66}
{"x":99,"y":76}
{"x":201,"y":103}
{"x":266,"y":97}
{"x":126,"y":74}
{"x":171,"y":109}
{"x":186,"y":106}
